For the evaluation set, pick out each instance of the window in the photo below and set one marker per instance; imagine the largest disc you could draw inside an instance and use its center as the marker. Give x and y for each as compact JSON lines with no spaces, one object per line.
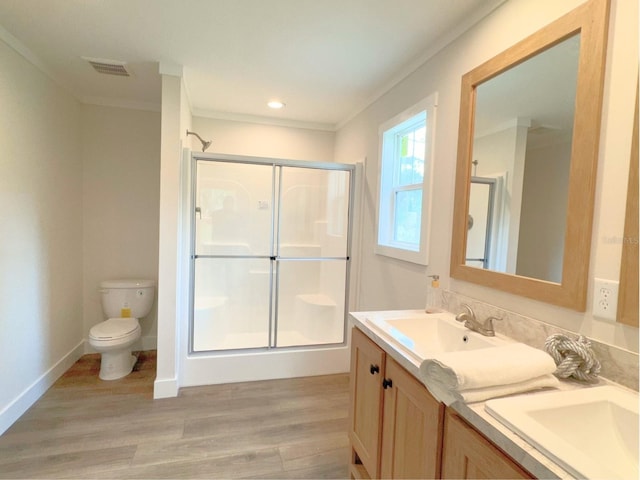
{"x":405,"y":183}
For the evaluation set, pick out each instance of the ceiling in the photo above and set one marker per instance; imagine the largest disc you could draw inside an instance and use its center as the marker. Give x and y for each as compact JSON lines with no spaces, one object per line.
{"x":326,"y":59}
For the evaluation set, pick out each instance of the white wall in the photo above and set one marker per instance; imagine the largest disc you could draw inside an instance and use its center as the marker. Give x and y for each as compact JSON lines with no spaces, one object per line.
{"x":175,"y":119}
{"x":258,"y":140}
{"x":41,"y":239}
{"x":121,"y":199}
{"x":387,"y":283}
{"x":79,"y":198}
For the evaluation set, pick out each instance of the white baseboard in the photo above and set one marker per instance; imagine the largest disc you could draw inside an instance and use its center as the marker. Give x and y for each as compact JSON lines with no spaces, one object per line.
{"x":16,"y":408}
{"x":165,"y":388}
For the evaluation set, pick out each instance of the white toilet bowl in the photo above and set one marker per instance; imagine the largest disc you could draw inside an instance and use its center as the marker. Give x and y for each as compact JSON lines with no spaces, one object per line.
{"x":113,"y":338}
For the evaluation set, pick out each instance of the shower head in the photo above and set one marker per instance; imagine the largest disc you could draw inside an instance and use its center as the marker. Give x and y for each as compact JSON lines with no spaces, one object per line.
{"x":205,"y":143}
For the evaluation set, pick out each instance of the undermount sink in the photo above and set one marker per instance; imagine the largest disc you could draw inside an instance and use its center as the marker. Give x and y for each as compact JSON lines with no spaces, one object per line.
{"x":590,"y":432}
{"x":425,"y":334}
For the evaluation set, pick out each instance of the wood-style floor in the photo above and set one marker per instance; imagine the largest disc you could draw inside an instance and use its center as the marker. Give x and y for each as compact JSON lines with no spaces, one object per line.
{"x":84,"y":427}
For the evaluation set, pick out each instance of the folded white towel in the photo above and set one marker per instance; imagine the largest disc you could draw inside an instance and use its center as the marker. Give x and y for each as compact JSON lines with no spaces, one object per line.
{"x":487,"y":367}
{"x":479,"y":394}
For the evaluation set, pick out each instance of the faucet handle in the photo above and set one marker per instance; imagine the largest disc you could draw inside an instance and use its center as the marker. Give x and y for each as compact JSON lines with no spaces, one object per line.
{"x":466,"y":314}
{"x":488,"y":324}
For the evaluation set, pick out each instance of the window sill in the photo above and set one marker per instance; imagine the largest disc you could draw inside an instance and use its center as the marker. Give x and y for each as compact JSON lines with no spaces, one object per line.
{"x":417,"y":257}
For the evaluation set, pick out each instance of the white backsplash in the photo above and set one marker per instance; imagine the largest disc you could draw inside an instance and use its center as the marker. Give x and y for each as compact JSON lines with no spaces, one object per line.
{"x":618,"y":365}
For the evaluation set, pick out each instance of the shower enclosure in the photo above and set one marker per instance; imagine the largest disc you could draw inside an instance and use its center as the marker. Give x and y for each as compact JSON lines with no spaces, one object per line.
{"x":270,"y":254}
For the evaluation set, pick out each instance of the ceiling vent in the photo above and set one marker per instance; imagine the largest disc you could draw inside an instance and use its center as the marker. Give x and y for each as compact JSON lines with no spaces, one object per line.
{"x":108,"y":67}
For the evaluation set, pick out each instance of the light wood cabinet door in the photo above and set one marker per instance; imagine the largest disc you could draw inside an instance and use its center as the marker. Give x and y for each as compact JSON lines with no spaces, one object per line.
{"x":367,"y":372}
{"x":412,"y":427}
{"x":467,"y":454}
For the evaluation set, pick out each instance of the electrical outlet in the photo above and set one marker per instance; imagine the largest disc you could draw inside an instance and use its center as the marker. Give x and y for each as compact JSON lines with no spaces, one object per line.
{"x":605,"y":298}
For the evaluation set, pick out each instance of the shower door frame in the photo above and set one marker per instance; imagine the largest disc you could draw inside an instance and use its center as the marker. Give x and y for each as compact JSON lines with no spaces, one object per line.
{"x":489,"y":226}
{"x":276,"y":191}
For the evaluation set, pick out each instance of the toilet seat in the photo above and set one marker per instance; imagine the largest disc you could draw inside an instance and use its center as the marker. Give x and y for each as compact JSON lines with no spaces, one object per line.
{"x":114,"y":329}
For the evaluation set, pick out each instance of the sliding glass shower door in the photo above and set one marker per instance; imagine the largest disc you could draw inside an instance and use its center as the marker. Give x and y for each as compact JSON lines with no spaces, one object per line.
{"x":271,"y":254}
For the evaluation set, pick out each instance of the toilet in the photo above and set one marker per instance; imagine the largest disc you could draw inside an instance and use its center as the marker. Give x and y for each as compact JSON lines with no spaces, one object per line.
{"x":123,"y":302}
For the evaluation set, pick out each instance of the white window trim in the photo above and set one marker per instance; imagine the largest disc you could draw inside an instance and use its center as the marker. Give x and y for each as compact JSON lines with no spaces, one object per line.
{"x":409,"y":254}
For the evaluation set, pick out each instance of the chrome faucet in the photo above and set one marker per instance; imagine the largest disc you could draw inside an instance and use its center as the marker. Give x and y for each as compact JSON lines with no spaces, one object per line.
{"x":472,"y":323}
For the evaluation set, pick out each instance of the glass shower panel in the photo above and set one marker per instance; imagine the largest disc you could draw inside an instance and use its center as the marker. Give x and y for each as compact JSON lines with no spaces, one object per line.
{"x":231,"y":303}
{"x":269,"y":255}
{"x":233,"y":209}
{"x":314,"y":212}
{"x":311,"y":302}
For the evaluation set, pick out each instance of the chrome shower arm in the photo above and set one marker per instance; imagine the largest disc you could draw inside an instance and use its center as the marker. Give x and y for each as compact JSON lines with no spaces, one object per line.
{"x":205,"y":143}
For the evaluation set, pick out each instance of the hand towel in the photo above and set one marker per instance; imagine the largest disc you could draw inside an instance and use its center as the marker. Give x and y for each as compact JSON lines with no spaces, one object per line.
{"x":480,"y":394}
{"x":487,"y":367}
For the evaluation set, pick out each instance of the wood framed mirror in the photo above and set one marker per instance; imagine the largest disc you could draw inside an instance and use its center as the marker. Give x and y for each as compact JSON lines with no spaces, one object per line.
{"x":548,"y":85}
{"x":629,"y":298}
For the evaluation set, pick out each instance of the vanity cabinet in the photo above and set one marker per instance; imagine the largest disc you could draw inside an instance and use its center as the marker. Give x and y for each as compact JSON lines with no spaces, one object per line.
{"x":395,"y":424}
{"x":398,"y":430}
{"x":468,"y":454}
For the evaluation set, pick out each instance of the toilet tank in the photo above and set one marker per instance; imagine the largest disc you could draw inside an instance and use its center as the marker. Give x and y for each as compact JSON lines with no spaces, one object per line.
{"x":120,"y":297}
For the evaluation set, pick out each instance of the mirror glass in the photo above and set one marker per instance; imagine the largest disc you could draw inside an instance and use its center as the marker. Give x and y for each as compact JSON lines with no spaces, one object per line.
{"x":521,"y":151}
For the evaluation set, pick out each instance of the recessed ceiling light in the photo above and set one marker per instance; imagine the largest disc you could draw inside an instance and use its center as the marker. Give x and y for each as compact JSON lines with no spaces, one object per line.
{"x":275,"y":104}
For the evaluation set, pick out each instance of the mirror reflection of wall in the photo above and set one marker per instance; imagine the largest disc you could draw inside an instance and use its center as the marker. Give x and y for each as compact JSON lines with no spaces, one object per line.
{"x":522,"y":133}
{"x":543,"y":213}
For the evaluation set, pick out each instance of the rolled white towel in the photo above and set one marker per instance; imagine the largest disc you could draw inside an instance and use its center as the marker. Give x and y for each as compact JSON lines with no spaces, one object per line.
{"x":486,"y":367}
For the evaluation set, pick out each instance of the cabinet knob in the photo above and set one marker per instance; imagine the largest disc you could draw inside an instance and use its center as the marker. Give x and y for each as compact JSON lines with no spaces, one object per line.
{"x":387,"y":383}
{"x":374,"y":369}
